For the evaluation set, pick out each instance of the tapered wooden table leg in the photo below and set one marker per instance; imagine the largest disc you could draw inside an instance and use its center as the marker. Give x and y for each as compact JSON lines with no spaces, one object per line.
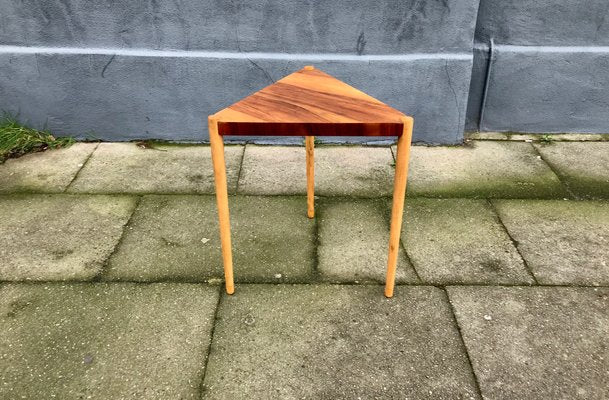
{"x":217,"y":154}
{"x":310,"y":145}
{"x":399,"y":193}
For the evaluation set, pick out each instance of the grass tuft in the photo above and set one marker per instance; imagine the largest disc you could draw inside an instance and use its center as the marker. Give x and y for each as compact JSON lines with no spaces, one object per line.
{"x":17,"y":139}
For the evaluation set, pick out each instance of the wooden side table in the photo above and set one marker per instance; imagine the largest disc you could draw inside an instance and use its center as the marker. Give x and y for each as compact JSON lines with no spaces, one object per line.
{"x":310,"y":103}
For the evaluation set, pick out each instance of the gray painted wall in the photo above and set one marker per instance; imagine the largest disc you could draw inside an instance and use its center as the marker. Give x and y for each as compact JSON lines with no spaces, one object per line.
{"x":549,"y":67}
{"x":169,"y":97}
{"x":81,"y":66}
{"x":548,"y":90}
{"x":281,"y":26}
{"x":156,"y":69}
{"x":544,"y":22}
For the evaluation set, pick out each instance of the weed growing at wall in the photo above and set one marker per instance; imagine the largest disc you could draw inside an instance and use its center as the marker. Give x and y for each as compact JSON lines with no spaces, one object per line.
{"x":17,"y":139}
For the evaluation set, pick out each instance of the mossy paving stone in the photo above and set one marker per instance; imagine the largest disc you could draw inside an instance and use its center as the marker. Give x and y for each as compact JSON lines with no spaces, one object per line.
{"x":59,"y":237}
{"x":50,"y":171}
{"x":339,"y":171}
{"x":104,"y":341}
{"x":529,"y":343}
{"x":482,"y":169}
{"x":460,"y":241}
{"x":160,"y":168}
{"x":176,"y":237}
{"x":273,"y":170}
{"x":330,"y":342}
{"x":563,"y":242}
{"x":354,"y":241}
{"x":584,"y":166}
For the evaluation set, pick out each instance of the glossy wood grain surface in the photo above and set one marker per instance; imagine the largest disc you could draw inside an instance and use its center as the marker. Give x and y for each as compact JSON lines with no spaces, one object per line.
{"x":310,"y":102}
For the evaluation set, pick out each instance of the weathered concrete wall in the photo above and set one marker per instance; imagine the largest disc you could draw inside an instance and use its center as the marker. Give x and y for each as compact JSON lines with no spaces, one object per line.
{"x":83,"y":66}
{"x":156,"y":69}
{"x":550,"y":90}
{"x":285,"y":26}
{"x":549,"y":67}
{"x":544,"y":22}
{"x":141,"y":95}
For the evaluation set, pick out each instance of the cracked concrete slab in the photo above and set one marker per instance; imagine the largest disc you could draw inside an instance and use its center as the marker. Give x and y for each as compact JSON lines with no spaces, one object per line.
{"x":59,"y":237}
{"x":584,"y":166}
{"x":164,"y":168}
{"x":354,"y":242}
{"x":176,"y":237}
{"x":339,"y":171}
{"x":536,"y":342}
{"x":460,"y":241}
{"x":482,"y":169}
{"x":50,"y":171}
{"x":308,"y":341}
{"x":115,"y":341}
{"x":563,"y":242}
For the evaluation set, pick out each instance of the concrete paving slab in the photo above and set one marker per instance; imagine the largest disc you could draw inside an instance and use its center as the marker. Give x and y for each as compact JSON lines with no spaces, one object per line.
{"x":460,"y":241}
{"x":563,"y":242}
{"x":354,"y":241}
{"x":169,"y":237}
{"x":482,"y":169}
{"x":329,"y":342}
{"x":50,"y":171}
{"x":176,"y":237}
{"x":339,"y":171}
{"x":119,"y":341}
{"x":129,"y":168}
{"x":59,"y":237}
{"x":583,"y":166}
{"x":273,"y":170}
{"x":536,"y":342}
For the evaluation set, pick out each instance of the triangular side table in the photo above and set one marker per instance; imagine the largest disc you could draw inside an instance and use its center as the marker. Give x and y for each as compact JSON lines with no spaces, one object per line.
{"x":310,"y":103}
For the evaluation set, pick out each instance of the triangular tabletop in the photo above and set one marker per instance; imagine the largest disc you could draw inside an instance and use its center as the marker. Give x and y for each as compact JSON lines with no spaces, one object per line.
{"x":309,"y":102}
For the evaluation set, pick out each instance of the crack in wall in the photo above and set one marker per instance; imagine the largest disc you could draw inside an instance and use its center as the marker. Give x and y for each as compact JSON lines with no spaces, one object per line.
{"x":268,"y":76}
{"x":107,"y":65}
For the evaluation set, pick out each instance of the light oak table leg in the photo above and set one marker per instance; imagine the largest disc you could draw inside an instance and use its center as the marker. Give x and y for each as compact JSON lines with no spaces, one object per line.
{"x":310,"y":145}
{"x":217,"y":155}
{"x":399,"y":193}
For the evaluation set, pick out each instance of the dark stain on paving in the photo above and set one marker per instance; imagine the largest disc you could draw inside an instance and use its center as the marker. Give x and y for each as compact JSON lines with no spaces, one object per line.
{"x":493,"y":265}
{"x":59,"y":254}
{"x":196,"y":178}
{"x":16,"y":306}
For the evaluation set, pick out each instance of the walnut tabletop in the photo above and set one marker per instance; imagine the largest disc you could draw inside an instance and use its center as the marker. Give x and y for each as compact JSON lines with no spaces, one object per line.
{"x":310,"y":102}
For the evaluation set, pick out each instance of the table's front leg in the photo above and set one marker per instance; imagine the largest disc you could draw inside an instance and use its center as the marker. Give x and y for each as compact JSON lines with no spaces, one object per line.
{"x":397,"y":210}
{"x":310,"y":148}
{"x":217,"y":155}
